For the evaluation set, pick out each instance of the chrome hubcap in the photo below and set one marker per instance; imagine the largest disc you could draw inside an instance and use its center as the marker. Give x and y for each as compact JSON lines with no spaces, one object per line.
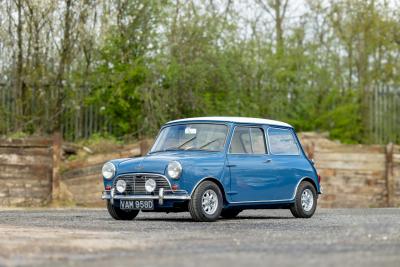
{"x":209,"y":202}
{"x":307,"y":200}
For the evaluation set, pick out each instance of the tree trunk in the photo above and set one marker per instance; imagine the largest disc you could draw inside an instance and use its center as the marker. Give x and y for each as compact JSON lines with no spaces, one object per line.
{"x":19,"y":72}
{"x":64,"y":60}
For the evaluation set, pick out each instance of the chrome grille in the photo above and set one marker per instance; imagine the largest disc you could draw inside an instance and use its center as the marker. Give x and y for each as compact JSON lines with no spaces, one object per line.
{"x":135,"y":183}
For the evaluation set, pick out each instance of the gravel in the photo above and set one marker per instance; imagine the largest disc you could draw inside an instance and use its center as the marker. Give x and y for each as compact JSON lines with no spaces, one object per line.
{"x":89,"y":237}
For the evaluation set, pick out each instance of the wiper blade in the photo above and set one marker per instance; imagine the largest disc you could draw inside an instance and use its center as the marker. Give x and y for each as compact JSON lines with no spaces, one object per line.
{"x":186,"y":142}
{"x":209,"y":143}
{"x":173,"y":148}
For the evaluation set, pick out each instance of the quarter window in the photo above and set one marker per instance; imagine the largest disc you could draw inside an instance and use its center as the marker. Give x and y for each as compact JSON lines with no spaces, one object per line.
{"x":282,"y":142}
{"x":248,"y":140}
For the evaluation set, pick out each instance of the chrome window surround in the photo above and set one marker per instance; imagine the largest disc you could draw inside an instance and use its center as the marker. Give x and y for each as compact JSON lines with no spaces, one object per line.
{"x":249,"y":154}
{"x":291,"y":133}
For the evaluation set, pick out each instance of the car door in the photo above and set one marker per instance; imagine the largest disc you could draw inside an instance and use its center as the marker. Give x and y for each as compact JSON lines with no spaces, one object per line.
{"x":288,"y":161}
{"x":251,"y":168}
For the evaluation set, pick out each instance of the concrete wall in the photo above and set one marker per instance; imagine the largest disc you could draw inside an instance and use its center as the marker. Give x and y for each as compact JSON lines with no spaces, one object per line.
{"x":25,"y":172}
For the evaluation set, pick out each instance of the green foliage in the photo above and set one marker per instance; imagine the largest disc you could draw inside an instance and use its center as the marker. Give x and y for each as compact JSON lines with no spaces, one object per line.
{"x":100,"y":139}
{"x":341,"y":117}
{"x":123,"y":68}
{"x":143,"y":63}
{"x":18,"y":135}
{"x":205,"y":70}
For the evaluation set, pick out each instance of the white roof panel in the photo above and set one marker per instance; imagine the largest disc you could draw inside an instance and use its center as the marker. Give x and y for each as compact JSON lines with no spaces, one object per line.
{"x":235,"y":119}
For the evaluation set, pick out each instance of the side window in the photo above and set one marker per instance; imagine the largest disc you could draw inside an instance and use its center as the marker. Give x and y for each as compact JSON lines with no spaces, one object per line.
{"x":282,"y":142}
{"x":240,"y":143}
{"x":258,"y":141}
{"x":248,"y":140}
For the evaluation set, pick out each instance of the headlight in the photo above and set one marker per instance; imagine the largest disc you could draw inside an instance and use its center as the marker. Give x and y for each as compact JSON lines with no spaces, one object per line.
{"x":121,"y":186}
{"x":174,"y":169}
{"x":108,"y":170}
{"x":150,"y":185}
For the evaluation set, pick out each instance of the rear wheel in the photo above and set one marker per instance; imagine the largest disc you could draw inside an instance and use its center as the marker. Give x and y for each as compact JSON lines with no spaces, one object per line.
{"x":206,"y":203}
{"x":305,"y":201}
{"x":119,"y":214}
{"x":230,"y":213}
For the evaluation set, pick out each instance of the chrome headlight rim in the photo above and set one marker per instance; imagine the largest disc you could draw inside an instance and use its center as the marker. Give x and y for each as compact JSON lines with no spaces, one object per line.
{"x":108,"y":170}
{"x":174,"y":169}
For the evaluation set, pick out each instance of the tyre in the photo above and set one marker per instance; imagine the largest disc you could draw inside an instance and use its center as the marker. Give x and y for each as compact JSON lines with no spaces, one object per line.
{"x":230,"y":213}
{"x":305,"y":201}
{"x":206,"y":203}
{"x":119,"y":214}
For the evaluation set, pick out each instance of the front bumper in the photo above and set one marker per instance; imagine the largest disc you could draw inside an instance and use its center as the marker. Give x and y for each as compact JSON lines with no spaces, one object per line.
{"x":180,"y":195}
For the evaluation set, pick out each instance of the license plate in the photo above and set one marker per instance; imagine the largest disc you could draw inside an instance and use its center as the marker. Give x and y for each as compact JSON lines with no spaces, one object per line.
{"x":136,"y":204}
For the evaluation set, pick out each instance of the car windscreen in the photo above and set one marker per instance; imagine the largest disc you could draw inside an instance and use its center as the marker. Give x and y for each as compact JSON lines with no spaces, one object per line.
{"x":195,"y":136}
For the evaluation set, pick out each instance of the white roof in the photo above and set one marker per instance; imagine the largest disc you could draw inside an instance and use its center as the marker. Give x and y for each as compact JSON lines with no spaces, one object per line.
{"x":235,"y":119}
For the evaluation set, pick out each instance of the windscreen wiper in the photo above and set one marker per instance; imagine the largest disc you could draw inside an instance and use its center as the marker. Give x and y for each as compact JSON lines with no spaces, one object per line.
{"x":209,"y":143}
{"x":180,"y":146}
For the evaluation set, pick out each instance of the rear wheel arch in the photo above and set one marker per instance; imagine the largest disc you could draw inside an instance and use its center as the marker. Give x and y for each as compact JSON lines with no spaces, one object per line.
{"x":306,"y":179}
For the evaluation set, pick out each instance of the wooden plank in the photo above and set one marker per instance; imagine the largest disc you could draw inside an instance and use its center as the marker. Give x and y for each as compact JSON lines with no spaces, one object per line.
{"x":24,"y":170}
{"x":91,"y":169}
{"x":349,"y":157}
{"x":55,"y":189}
{"x":15,"y":159}
{"x":32,"y":151}
{"x":390,"y":179}
{"x":350,"y":165}
{"x":351,"y":149}
{"x":26,"y":142}
{"x":88,"y":179}
{"x":102,"y":158}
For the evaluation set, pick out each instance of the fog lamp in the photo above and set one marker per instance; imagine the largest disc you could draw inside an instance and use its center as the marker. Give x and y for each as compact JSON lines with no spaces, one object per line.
{"x":121,"y":186}
{"x":150,"y":185}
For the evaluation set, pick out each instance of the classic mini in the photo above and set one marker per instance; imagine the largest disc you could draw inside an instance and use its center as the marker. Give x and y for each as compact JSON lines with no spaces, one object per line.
{"x":215,"y":167}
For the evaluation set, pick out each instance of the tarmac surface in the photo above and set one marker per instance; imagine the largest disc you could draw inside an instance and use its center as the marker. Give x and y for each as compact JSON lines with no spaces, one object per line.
{"x":90,"y":237}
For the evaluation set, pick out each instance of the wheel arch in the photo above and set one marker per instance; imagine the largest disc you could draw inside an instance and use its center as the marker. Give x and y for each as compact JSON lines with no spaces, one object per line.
{"x":307,"y":179}
{"x":214,"y":180}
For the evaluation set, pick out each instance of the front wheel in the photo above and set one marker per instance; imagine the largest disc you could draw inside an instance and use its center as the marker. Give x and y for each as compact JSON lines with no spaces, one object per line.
{"x":206,"y":203}
{"x":305,"y":202}
{"x":119,"y":214}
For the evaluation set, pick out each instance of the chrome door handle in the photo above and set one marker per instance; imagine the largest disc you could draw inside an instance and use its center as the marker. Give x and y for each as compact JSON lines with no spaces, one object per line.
{"x":230,"y":165}
{"x":268,"y":161}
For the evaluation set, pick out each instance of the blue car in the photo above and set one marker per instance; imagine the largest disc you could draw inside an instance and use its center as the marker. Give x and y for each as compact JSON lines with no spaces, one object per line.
{"x":215,"y":167}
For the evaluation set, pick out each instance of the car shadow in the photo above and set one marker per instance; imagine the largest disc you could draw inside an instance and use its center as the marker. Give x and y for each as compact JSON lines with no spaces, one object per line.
{"x":220,"y":219}
{"x":260,"y":218}
{"x":165,"y":219}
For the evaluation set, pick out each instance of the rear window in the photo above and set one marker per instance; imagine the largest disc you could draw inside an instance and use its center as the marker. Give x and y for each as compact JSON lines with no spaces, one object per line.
{"x":282,"y":142}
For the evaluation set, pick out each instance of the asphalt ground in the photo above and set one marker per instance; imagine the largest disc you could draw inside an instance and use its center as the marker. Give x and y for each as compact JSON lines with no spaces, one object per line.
{"x":89,"y":237}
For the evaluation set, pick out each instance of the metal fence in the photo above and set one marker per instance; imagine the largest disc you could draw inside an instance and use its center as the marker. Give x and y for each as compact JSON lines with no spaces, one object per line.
{"x":384,"y":118}
{"x":79,"y":119}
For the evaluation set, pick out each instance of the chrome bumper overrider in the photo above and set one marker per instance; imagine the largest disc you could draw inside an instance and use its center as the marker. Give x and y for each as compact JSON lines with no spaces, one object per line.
{"x":110,"y":195}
